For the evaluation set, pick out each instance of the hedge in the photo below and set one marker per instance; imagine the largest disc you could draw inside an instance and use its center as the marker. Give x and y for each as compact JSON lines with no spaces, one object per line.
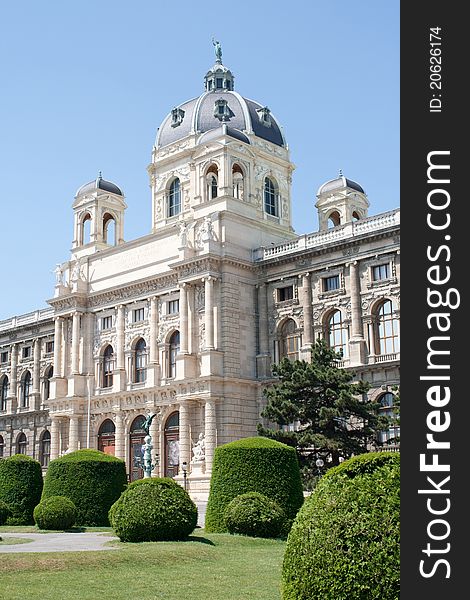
{"x":56,"y":512}
{"x":153,"y":509}
{"x":345,"y":541}
{"x":93,"y":481}
{"x":255,"y":464}
{"x":4,"y":512}
{"x":20,"y":487}
{"x":255,"y":515}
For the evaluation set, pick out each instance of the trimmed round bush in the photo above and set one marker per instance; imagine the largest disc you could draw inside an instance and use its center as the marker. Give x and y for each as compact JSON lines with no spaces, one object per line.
{"x":91,"y":479}
{"x":255,"y":464}
{"x":20,"y":487}
{"x":345,"y":540}
{"x":4,"y":512}
{"x":256,"y":515}
{"x":56,"y":512}
{"x":153,"y":509}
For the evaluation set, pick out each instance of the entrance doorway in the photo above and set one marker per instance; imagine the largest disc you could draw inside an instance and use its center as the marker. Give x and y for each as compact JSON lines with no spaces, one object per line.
{"x":136,"y":441}
{"x":172,"y":445}
{"x":107,"y":437}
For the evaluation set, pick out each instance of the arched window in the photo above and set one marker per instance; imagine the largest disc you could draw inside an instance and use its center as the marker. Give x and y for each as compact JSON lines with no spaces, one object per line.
{"x":25,"y":389}
{"x":334,"y":219}
{"x":85,"y":230}
{"x":356,"y":216}
{"x":174,"y":198}
{"x":106,"y":437}
{"x":387,"y":409}
{"x":109,"y":229}
{"x":337,"y":333}
{"x":172,"y":445}
{"x":2,"y":446}
{"x":108,"y":367}
{"x":140,"y":361}
{"x":387,"y":329}
{"x":212,"y":182}
{"x":289,"y":342}
{"x":47,"y":382}
{"x":237,"y":182}
{"x":21,"y":443}
{"x":270,"y":198}
{"x":174,"y":348}
{"x":5,"y":386}
{"x":45,"y":449}
{"x":136,"y":441}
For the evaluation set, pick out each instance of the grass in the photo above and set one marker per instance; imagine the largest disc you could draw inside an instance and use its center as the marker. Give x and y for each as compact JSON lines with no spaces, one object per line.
{"x":10,"y":541}
{"x":209,"y":566}
{"x":34,"y":529}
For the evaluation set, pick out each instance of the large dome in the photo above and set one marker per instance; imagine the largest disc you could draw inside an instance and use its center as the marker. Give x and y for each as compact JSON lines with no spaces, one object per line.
{"x":220,"y":105}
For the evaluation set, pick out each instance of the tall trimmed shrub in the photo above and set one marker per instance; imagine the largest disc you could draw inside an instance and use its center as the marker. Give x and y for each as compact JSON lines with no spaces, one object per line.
{"x":20,"y":487}
{"x":93,"y":481}
{"x":345,"y":540}
{"x":255,"y":464}
{"x":153,"y":509}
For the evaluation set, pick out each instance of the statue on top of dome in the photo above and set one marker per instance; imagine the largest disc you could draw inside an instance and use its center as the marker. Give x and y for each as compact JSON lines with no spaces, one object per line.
{"x":218,"y":50}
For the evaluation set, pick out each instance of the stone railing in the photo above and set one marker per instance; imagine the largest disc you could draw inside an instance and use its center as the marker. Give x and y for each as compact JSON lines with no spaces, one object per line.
{"x":321,"y":238}
{"x":33,"y":317}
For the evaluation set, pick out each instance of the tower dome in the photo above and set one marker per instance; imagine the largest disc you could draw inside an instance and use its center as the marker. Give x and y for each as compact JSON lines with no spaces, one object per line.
{"x":340,"y":200}
{"x":99,"y":184}
{"x":220,"y":104}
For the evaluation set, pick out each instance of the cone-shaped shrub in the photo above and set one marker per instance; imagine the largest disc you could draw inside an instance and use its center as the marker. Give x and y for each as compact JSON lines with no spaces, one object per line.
{"x":345,"y":540}
{"x":93,"y":481}
{"x":20,"y":487}
{"x":153,"y":509}
{"x":255,"y":464}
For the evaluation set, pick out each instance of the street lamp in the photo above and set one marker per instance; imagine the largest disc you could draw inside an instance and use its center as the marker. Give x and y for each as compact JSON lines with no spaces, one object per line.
{"x":319,"y":462}
{"x":184,"y":466}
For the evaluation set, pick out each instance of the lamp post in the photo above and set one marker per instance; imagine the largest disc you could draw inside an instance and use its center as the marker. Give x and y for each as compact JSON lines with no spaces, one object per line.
{"x":319,"y":462}
{"x":184,"y":466}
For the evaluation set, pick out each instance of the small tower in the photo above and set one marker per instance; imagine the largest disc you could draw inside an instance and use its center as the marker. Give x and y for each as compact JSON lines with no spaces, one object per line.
{"x":98,"y":217}
{"x":340,"y":201}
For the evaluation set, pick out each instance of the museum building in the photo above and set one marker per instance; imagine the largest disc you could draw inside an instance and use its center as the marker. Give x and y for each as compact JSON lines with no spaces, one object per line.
{"x":185,"y":322}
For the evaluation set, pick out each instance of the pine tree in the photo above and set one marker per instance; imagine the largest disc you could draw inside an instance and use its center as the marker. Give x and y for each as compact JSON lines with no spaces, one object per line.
{"x":333,"y":417}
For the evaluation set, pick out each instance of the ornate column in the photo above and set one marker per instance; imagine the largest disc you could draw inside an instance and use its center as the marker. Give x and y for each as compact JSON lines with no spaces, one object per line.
{"x":210,"y":427}
{"x":209,"y":312}
{"x":12,"y":394}
{"x":36,"y":391}
{"x":120,"y":446}
{"x":75,"y":343}
{"x":58,"y":346}
{"x":307,"y":310}
{"x":185,"y":449}
{"x":120,"y":337}
{"x":357,"y":344}
{"x":73,"y":432}
{"x":153,"y":350}
{"x":183,"y":308}
{"x":262,"y":359}
{"x":55,"y":434}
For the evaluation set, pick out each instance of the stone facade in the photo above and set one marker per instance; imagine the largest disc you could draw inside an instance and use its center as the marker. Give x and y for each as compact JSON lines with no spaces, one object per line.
{"x":186,"y":321}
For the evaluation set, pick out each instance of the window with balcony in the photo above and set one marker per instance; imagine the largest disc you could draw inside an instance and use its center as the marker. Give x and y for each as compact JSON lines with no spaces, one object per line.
{"x":140,"y":361}
{"x":388,"y":409}
{"x":337,"y":333}
{"x":174,"y":348}
{"x":387,"y":330}
{"x":25,"y":389}
{"x":4,"y":387}
{"x":107,"y":367}
{"x":289,"y":341}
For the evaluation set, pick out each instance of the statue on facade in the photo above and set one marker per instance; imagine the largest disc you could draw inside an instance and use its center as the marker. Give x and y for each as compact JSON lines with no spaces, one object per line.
{"x":218,"y":50}
{"x":207,"y":229}
{"x":183,"y":233}
{"x":59,"y":275}
{"x":199,"y":450}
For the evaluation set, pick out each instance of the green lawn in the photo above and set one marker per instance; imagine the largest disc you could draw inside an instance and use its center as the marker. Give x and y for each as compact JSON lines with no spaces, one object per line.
{"x":208,"y":566}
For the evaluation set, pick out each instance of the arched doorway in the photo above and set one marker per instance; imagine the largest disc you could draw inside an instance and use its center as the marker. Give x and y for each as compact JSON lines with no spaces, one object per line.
{"x":136,"y":441}
{"x":172,"y":444}
{"x":107,"y":437}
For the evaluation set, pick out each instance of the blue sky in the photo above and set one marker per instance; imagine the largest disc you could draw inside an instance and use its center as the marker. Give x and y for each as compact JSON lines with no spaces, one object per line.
{"x":85,"y":85}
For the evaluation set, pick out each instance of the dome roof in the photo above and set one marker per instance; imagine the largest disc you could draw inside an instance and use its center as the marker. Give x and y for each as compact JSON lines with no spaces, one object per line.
{"x":339,"y":183}
{"x":211,"y":109}
{"x":99,"y":184}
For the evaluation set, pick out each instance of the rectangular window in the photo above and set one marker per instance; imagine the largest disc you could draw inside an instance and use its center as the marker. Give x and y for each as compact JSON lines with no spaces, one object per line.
{"x":106,"y":322}
{"x":49,"y":347}
{"x":26,"y":352}
{"x":331,"y":283}
{"x":4,"y":357}
{"x":138,"y":315}
{"x":218,"y":83}
{"x":173,"y":307}
{"x":285,"y":293}
{"x":380,"y":272}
